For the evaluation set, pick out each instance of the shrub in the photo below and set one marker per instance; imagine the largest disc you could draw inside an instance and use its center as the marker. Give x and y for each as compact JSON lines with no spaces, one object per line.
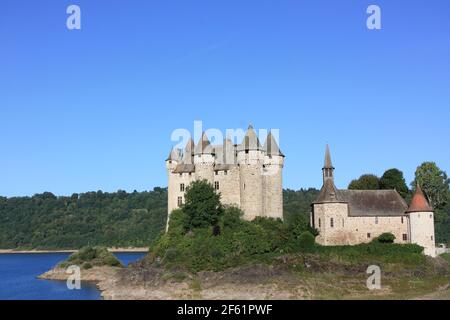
{"x":202,"y":207}
{"x":92,"y":256}
{"x":306,"y":241}
{"x":386,"y":238}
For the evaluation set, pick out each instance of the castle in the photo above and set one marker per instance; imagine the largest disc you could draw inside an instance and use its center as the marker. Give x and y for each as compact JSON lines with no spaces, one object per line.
{"x":247,"y":175}
{"x":349,"y":217}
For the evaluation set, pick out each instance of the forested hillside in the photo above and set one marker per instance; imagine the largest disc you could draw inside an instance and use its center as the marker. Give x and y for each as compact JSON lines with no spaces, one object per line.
{"x":45,"y":221}
{"x":119,"y":219}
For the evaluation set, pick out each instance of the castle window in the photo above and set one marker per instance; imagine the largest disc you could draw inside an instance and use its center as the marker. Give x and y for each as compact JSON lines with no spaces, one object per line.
{"x":405,"y":237}
{"x":180,"y":201}
{"x":376,"y":220}
{"x":402,"y":219}
{"x":181,"y":174}
{"x":431,"y":216}
{"x":225,"y":172}
{"x":182,"y":187}
{"x":217,"y":172}
{"x":368,"y":236}
{"x":246,"y":151}
{"x":431,"y":238}
{"x":319,"y":223}
{"x":216,"y":185}
{"x":332,"y":222}
{"x":343,"y":222}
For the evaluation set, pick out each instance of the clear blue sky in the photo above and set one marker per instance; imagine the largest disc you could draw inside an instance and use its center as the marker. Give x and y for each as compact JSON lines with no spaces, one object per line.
{"x":94,"y":109}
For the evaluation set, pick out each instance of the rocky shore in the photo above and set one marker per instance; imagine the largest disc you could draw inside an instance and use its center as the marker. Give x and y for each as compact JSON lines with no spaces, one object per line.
{"x":95,"y":274}
{"x":113,"y":250}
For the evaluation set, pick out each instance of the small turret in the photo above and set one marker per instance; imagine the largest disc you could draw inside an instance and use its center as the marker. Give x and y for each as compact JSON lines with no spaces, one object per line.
{"x":173,"y":159}
{"x":421,"y":222}
{"x":204,"y":159}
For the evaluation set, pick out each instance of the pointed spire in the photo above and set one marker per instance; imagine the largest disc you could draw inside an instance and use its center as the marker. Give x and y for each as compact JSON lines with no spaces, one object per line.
{"x":174,"y":155}
{"x":328,"y":164}
{"x":203,"y":146}
{"x":251,"y":141}
{"x":271,"y":146}
{"x":418,"y":202}
{"x":189,"y":152}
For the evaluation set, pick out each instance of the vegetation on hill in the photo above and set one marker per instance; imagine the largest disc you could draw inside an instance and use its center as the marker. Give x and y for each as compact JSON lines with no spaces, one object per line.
{"x":88,"y":257}
{"x":136,"y":219}
{"x":233,"y":242}
{"x":118,"y":219}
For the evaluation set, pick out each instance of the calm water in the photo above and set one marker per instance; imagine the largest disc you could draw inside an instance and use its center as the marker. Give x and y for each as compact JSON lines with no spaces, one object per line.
{"x":18,"y":274}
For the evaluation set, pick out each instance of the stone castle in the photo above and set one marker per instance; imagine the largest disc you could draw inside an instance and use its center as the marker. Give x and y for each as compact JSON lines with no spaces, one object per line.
{"x":247,"y":175}
{"x":349,"y":217}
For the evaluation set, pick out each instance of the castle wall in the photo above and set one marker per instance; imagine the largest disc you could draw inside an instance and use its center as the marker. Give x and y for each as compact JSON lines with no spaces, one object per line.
{"x":204,"y":167}
{"x":354,"y":230}
{"x":251,"y":183}
{"x":229,"y":186}
{"x":422,"y":231}
{"x":360,"y":227}
{"x":273,"y":187}
{"x":174,"y":190}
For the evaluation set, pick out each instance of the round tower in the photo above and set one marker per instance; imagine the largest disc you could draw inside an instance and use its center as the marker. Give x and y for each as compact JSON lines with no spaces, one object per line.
{"x":204,"y":160}
{"x":272,"y":178}
{"x":172,"y":162}
{"x":421,"y":223}
{"x":250,"y":158}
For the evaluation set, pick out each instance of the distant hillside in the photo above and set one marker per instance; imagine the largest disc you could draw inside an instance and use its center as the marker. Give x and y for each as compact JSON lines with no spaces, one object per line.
{"x":95,"y":218}
{"x":119,"y":219}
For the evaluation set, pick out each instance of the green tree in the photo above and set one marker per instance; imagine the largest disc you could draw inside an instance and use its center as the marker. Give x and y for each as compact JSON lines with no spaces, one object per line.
{"x":365,"y":182}
{"x":434,"y":182}
{"x":393,"y":179}
{"x":202,"y":207}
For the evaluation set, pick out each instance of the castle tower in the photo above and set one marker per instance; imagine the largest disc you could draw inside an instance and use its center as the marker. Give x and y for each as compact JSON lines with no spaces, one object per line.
{"x":172,"y":162}
{"x":204,"y":160}
{"x":272,"y":178}
{"x":421,"y":223}
{"x":250,"y":159}
{"x":328,"y":169}
{"x":188,"y":156}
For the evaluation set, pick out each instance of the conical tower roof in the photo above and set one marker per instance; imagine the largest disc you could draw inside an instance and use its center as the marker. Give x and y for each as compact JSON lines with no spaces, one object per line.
{"x":203,"y":146}
{"x":328,"y":164}
{"x":251,"y":141}
{"x":174,"y":155}
{"x":189,"y":152}
{"x":329,"y":193}
{"x":419,"y":203}
{"x":271,"y":146}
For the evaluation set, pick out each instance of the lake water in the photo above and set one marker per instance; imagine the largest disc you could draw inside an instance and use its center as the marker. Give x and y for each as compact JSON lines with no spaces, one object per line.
{"x":18,"y":280}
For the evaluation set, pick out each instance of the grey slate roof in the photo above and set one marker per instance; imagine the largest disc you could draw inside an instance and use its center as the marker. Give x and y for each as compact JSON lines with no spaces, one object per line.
{"x":250,"y":141}
{"x":271,"y":146}
{"x":203,"y":146}
{"x":184,"y":168}
{"x":364,"y":202}
{"x":174,"y":155}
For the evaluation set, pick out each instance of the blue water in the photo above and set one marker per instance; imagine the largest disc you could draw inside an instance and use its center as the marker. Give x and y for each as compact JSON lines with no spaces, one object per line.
{"x":18,"y":280}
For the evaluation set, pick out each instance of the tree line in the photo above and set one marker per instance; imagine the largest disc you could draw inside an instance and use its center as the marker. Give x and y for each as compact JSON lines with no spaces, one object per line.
{"x":121,"y":219}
